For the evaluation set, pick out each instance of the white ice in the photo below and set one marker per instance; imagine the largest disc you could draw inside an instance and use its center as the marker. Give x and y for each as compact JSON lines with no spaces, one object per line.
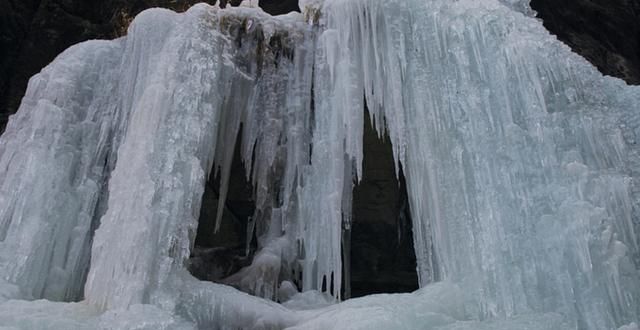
{"x":521,"y":163}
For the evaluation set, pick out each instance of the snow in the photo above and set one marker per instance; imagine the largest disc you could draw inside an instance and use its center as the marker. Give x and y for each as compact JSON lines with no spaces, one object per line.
{"x":521,"y":163}
{"x":630,"y":326}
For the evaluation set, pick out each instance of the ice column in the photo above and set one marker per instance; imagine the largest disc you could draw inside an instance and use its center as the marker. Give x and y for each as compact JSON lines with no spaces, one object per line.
{"x":156,"y":187}
{"x":55,"y":156}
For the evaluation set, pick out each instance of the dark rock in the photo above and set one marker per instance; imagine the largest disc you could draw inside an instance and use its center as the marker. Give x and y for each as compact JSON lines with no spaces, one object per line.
{"x":382,"y":254}
{"x":605,"y":32}
{"x":15,"y":22}
{"x":215,"y":264}
{"x":217,"y":255}
{"x":277,"y":7}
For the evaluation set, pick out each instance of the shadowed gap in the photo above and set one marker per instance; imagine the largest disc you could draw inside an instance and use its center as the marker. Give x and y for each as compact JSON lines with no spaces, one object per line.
{"x":216,"y":256}
{"x":382,"y":258}
{"x":382,"y":255}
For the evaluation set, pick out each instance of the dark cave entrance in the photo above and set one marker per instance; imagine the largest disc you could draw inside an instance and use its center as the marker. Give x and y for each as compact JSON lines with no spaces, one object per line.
{"x":382,"y":257}
{"x":216,"y":256}
{"x":382,"y":254}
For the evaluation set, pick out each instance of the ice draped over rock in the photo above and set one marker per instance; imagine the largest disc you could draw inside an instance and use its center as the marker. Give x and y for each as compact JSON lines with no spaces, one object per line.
{"x":519,"y":156}
{"x":521,"y":163}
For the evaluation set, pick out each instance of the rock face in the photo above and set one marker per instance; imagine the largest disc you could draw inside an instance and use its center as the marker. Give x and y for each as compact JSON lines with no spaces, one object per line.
{"x":217,"y":255}
{"x":275,"y":7}
{"x":382,"y":254}
{"x":605,"y":32}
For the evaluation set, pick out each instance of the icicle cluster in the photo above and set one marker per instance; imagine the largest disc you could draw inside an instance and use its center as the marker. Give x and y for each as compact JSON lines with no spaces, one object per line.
{"x":518,"y":155}
{"x":521,"y":164}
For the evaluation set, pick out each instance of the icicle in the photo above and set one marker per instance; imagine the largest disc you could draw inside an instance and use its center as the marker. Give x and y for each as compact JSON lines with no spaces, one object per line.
{"x":47,"y":214}
{"x":251,"y":228}
{"x":521,"y":164}
{"x":483,"y":137}
{"x":228,"y":141}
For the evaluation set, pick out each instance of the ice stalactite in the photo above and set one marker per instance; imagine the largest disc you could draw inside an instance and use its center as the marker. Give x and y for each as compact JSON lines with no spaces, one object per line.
{"x":166,"y":148}
{"x":228,"y":71}
{"x":517,"y":154}
{"x":520,"y":162}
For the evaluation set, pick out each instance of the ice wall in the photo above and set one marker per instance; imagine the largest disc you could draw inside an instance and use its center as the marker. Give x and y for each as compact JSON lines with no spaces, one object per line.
{"x":519,"y":156}
{"x":217,"y":76}
{"x":156,"y":186}
{"x":148,"y":116}
{"x":521,"y":164}
{"x":207,"y":75}
{"x":56,"y":154}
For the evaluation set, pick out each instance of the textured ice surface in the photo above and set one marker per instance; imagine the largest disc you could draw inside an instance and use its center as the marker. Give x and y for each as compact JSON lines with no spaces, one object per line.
{"x":521,"y":163}
{"x":519,"y":156}
{"x":55,"y":158}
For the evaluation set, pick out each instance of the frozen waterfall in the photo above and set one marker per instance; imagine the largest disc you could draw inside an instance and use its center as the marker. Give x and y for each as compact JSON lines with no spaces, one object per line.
{"x":521,"y":163}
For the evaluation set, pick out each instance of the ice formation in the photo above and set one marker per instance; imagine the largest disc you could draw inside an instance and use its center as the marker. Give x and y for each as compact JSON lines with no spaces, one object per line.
{"x":521,"y":163}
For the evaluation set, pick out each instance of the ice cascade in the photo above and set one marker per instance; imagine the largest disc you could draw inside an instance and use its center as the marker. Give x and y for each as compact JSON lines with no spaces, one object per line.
{"x":520,"y":158}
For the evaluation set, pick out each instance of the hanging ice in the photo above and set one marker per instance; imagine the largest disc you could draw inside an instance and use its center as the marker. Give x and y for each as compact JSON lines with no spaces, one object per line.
{"x":521,"y":162}
{"x":519,"y":156}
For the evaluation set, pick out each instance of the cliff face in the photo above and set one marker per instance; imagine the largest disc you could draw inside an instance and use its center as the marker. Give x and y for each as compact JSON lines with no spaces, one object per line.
{"x":605,"y":32}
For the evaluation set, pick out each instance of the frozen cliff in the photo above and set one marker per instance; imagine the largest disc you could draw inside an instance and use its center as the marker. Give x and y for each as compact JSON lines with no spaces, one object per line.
{"x":520,"y":158}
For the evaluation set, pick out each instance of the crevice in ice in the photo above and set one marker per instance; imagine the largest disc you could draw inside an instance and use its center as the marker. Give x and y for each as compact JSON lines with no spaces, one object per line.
{"x":382,"y":255}
{"x":82,"y":269}
{"x":219,"y":254}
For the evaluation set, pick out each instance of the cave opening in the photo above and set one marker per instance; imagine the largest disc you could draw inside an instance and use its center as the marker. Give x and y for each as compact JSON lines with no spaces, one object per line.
{"x":217,"y":255}
{"x":382,"y":256}
{"x":379,"y":243}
